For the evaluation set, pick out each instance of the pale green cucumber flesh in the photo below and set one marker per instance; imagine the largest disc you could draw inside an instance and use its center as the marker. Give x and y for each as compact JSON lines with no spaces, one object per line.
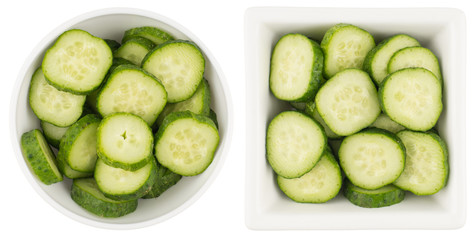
{"x":52,"y":133}
{"x":412,"y":57}
{"x":134,"y":50}
{"x":384,"y":122}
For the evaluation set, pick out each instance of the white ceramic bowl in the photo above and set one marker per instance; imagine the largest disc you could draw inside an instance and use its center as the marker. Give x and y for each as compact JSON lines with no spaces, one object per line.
{"x":111,"y":24}
{"x":439,"y":29}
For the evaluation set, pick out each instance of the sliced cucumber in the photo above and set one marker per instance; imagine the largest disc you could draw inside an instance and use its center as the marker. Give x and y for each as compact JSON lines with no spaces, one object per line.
{"x":87,"y":195}
{"x":179,"y":65}
{"x":125,"y":141}
{"x":299,"y":105}
{"x":376,"y":62}
{"x":427,"y":167}
{"x":134,"y":50}
{"x":212,"y":115}
{"x":165,"y":180}
{"x":133,"y":90}
{"x":345,"y":46}
{"x":411,"y":57}
{"x":372,"y":158}
{"x":412,"y":97}
{"x":67,"y":171}
{"x":384,"y":122}
{"x":39,"y":157}
{"x":294,"y":144}
{"x":154,"y":34}
{"x":120,"y":184}
{"x":198,"y":103}
{"x":78,"y":145}
{"x":320,"y":184}
{"x":311,"y":109}
{"x":296,"y":68}
{"x":52,"y":105}
{"x":186,"y":143}
{"x":113,"y":44}
{"x":348,"y":102}
{"x":381,"y":197}
{"x":52,"y":133}
{"x":77,"y":62}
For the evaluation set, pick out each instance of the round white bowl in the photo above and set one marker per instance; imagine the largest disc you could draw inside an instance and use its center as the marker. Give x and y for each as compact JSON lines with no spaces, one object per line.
{"x":111,"y":23}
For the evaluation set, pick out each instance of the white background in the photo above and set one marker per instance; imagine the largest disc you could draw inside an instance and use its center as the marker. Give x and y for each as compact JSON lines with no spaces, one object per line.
{"x":219,"y":213}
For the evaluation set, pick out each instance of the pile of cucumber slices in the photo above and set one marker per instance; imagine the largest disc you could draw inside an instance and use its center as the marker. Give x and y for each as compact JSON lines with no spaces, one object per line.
{"x":376,"y":105}
{"x":128,"y":119}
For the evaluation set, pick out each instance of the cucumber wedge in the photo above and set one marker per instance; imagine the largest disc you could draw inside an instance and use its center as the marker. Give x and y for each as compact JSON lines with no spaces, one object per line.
{"x":412,"y":57}
{"x":39,"y":157}
{"x":134,"y":50}
{"x":186,"y":143}
{"x":345,"y":46}
{"x":348,"y":102}
{"x":179,"y":65}
{"x":412,"y":97}
{"x":78,"y":145}
{"x":124,"y":141}
{"x":87,"y":195}
{"x":376,"y":62}
{"x":319,"y":185}
{"x":296,"y":68}
{"x":372,"y":158}
{"x":120,"y":184}
{"x":294,"y":144}
{"x":52,"y":105}
{"x":77,"y":62}
{"x":154,"y":34}
{"x":427,"y":167}
{"x":381,"y":197}
{"x":132,"y":90}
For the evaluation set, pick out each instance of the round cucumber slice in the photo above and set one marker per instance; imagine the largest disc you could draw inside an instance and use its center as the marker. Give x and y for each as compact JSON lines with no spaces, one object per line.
{"x":384,"y":122}
{"x":52,"y":133}
{"x":77,"y":62}
{"x":134,"y":50}
{"x":165,"y":180}
{"x":381,"y":197}
{"x":427,"y":167}
{"x":319,"y":185}
{"x":154,"y":34}
{"x":294,"y":144}
{"x":372,"y":158}
{"x":186,"y":143}
{"x":412,"y":57}
{"x":39,"y":157}
{"x":125,"y":141}
{"x":86,"y":194}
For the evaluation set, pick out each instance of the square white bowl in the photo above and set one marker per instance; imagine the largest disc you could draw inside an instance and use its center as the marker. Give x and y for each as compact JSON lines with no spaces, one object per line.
{"x":440,"y":29}
{"x":111,"y":23}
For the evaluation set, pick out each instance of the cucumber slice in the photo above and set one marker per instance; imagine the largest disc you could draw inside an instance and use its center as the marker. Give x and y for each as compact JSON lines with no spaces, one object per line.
{"x":311,"y":110}
{"x":299,"y":105}
{"x":381,"y":197}
{"x":372,"y":158}
{"x":156,"y":35}
{"x":198,"y":103}
{"x":179,"y":65}
{"x":294,"y":144}
{"x":78,"y":145}
{"x":296,"y":68}
{"x":113,"y":44}
{"x":376,"y":62}
{"x":412,"y":97}
{"x":124,"y":141}
{"x":212,"y":115}
{"x":67,"y":171}
{"x":52,"y":105}
{"x":384,"y":122}
{"x":52,"y":133}
{"x":165,"y":180}
{"x":39,"y":157}
{"x":186,"y":143}
{"x":319,"y":185}
{"x":411,"y":57}
{"x":120,"y":184}
{"x":87,"y":195}
{"x":132,"y":90}
{"x":345,"y":46}
{"x":348,"y":102}
{"x":427,"y":167}
{"x":134,"y":50}
{"x":77,"y":62}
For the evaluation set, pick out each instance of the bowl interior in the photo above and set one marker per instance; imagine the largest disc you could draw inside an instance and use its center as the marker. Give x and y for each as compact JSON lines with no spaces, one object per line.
{"x":441,"y":30}
{"x":111,"y":24}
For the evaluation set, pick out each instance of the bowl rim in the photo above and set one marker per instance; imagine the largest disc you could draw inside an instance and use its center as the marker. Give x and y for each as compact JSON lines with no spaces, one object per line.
{"x":51,"y":36}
